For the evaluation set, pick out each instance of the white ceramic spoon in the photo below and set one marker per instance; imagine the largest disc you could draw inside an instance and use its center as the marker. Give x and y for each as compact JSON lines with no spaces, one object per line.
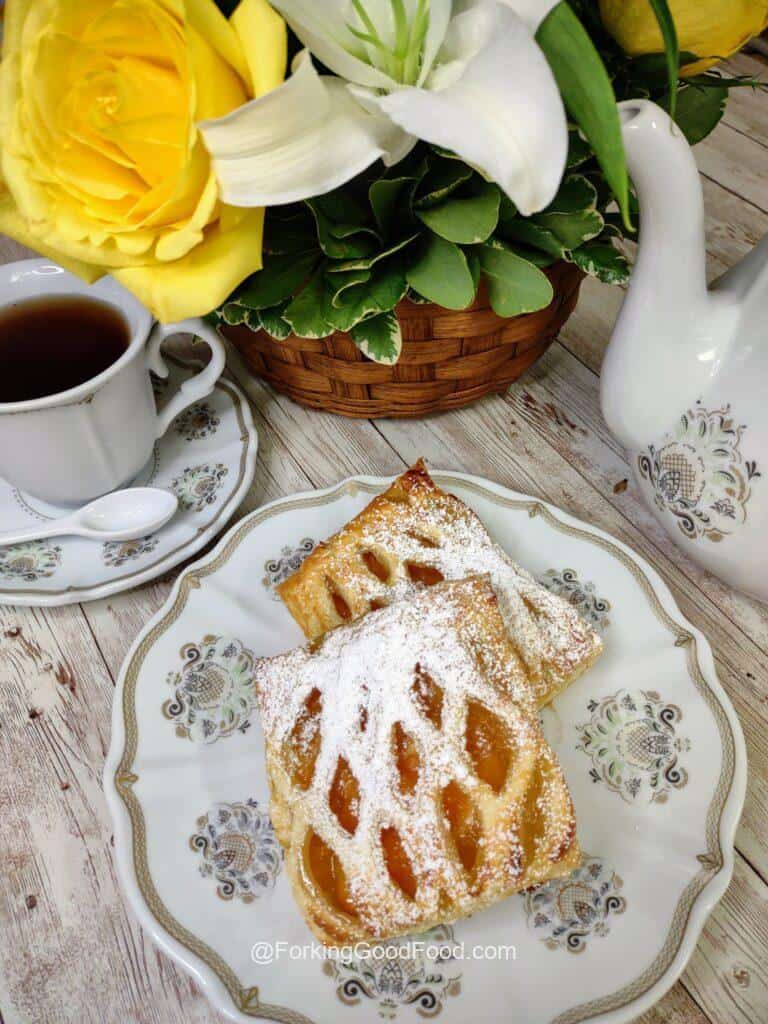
{"x":121,"y":515}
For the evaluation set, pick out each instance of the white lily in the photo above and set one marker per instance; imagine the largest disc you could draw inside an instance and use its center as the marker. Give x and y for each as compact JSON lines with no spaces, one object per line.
{"x":466,"y":75}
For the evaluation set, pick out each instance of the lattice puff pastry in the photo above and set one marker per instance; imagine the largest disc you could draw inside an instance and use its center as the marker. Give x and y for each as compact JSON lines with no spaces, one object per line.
{"x":409,"y":786}
{"x":415,"y":534}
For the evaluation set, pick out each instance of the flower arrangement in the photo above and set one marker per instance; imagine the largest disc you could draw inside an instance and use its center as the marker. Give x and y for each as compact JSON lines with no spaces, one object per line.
{"x":417,"y":148}
{"x":451,"y":143}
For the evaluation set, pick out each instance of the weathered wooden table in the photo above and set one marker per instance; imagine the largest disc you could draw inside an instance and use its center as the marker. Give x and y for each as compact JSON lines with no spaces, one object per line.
{"x":70,"y":951}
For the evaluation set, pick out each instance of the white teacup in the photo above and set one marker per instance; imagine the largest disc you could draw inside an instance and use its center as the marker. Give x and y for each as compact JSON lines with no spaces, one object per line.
{"x":73,"y":446}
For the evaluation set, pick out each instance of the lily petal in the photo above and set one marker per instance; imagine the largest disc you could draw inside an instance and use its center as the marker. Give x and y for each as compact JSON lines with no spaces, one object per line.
{"x":532,"y":12}
{"x":439,"y":20}
{"x":303,"y":139}
{"x":322,"y":28}
{"x":502,"y":110}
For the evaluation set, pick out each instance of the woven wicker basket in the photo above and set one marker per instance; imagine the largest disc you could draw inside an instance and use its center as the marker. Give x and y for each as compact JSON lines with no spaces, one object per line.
{"x":448,"y":360}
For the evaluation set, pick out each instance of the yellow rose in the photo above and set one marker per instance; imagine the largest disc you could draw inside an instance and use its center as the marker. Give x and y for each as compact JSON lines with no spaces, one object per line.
{"x":102,"y":167}
{"x":709,"y":28}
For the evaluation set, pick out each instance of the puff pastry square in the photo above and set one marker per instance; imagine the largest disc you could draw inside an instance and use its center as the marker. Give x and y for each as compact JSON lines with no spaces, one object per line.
{"x":416,"y":534}
{"x":411,"y":784}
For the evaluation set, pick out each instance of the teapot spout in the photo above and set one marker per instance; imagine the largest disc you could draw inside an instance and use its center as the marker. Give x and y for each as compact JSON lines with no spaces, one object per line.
{"x":669,"y":335}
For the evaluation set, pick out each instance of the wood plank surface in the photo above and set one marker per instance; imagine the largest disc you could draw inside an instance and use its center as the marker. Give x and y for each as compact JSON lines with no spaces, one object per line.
{"x":69,"y":949}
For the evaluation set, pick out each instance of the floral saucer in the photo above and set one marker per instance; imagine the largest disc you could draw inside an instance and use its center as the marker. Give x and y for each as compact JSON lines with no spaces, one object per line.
{"x":207,"y":458}
{"x":650,"y":745}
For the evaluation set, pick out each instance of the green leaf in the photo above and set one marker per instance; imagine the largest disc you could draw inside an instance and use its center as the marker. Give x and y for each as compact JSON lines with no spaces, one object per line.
{"x":515,"y":286}
{"x":339,"y":283}
{"x":698,"y":110}
{"x":473,"y":262}
{"x":233,"y":314}
{"x":352,"y":246}
{"x":588,"y":94}
{"x":308,"y":312}
{"x":446,"y":174}
{"x":289,"y":233}
{"x":342,"y":231}
{"x":572,"y":216}
{"x":535,"y":256}
{"x":671,"y":47}
{"x":440,"y":273}
{"x":653,"y":68}
{"x":366,"y":262}
{"x":280,"y":278}
{"x":386,"y":287}
{"x":601,"y":260}
{"x":467,"y":220}
{"x":529,"y":233}
{"x":576,"y":194}
{"x":713,"y":79}
{"x":390,"y":201}
{"x":579,"y":149}
{"x":273,"y":322}
{"x":507,"y":212}
{"x":379,"y":338}
{"x":253,"y":319}
{"x":342,"y":206}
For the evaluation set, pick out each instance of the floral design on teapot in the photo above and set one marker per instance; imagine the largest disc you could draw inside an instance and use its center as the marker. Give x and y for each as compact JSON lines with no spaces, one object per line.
{"x":700,"y":475}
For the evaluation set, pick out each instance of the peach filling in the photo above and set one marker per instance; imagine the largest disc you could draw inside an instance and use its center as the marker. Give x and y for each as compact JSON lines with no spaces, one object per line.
{"x":426,"y":574}
{"x":428,"y":696}
{"x":487,"y":742}
{"x":406,"y":759}
{"x":344,"y":797}
{"x":398,"y":863}
{"x":375,"y":566}
{"x":328,"y":875}
{"x":464,"y":823}
{"x":303,"y":744}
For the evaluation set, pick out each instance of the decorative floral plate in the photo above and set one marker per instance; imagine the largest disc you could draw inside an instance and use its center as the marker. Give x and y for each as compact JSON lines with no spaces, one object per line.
{"x":649,"y":742}
{"x":207,"y":458}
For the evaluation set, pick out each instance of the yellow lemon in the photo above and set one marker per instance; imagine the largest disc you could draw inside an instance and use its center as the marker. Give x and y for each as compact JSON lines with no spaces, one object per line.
{"x":102,"y":167}
{"x":712,"y":29}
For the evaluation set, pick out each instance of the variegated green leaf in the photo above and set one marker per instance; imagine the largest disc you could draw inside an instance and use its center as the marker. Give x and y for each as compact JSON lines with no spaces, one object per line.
{"x":601,"y":260}
{"x":307,"y":313}
{"x":515,"y":286}
{"x":440,"y":272}
{"x":273,"y":322}
{"x":466,"y":219}
{"x":379,"y":338}
{"x":381,"y":293}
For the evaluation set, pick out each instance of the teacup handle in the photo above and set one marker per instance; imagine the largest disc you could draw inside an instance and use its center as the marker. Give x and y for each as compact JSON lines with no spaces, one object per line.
{"x":196,"y":387}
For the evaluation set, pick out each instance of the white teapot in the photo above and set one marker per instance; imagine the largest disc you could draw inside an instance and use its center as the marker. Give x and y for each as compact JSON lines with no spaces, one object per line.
{"x":685,"y":381}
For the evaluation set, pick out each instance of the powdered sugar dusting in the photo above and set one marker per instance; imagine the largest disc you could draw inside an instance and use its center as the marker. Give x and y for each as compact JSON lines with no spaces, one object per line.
{"x":368,"y":672}
{"x":416,"y":525}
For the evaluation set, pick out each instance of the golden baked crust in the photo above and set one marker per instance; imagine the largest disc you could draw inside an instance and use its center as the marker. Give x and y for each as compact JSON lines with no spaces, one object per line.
{"x":417,"y":534}
{"x":409,"y":787}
